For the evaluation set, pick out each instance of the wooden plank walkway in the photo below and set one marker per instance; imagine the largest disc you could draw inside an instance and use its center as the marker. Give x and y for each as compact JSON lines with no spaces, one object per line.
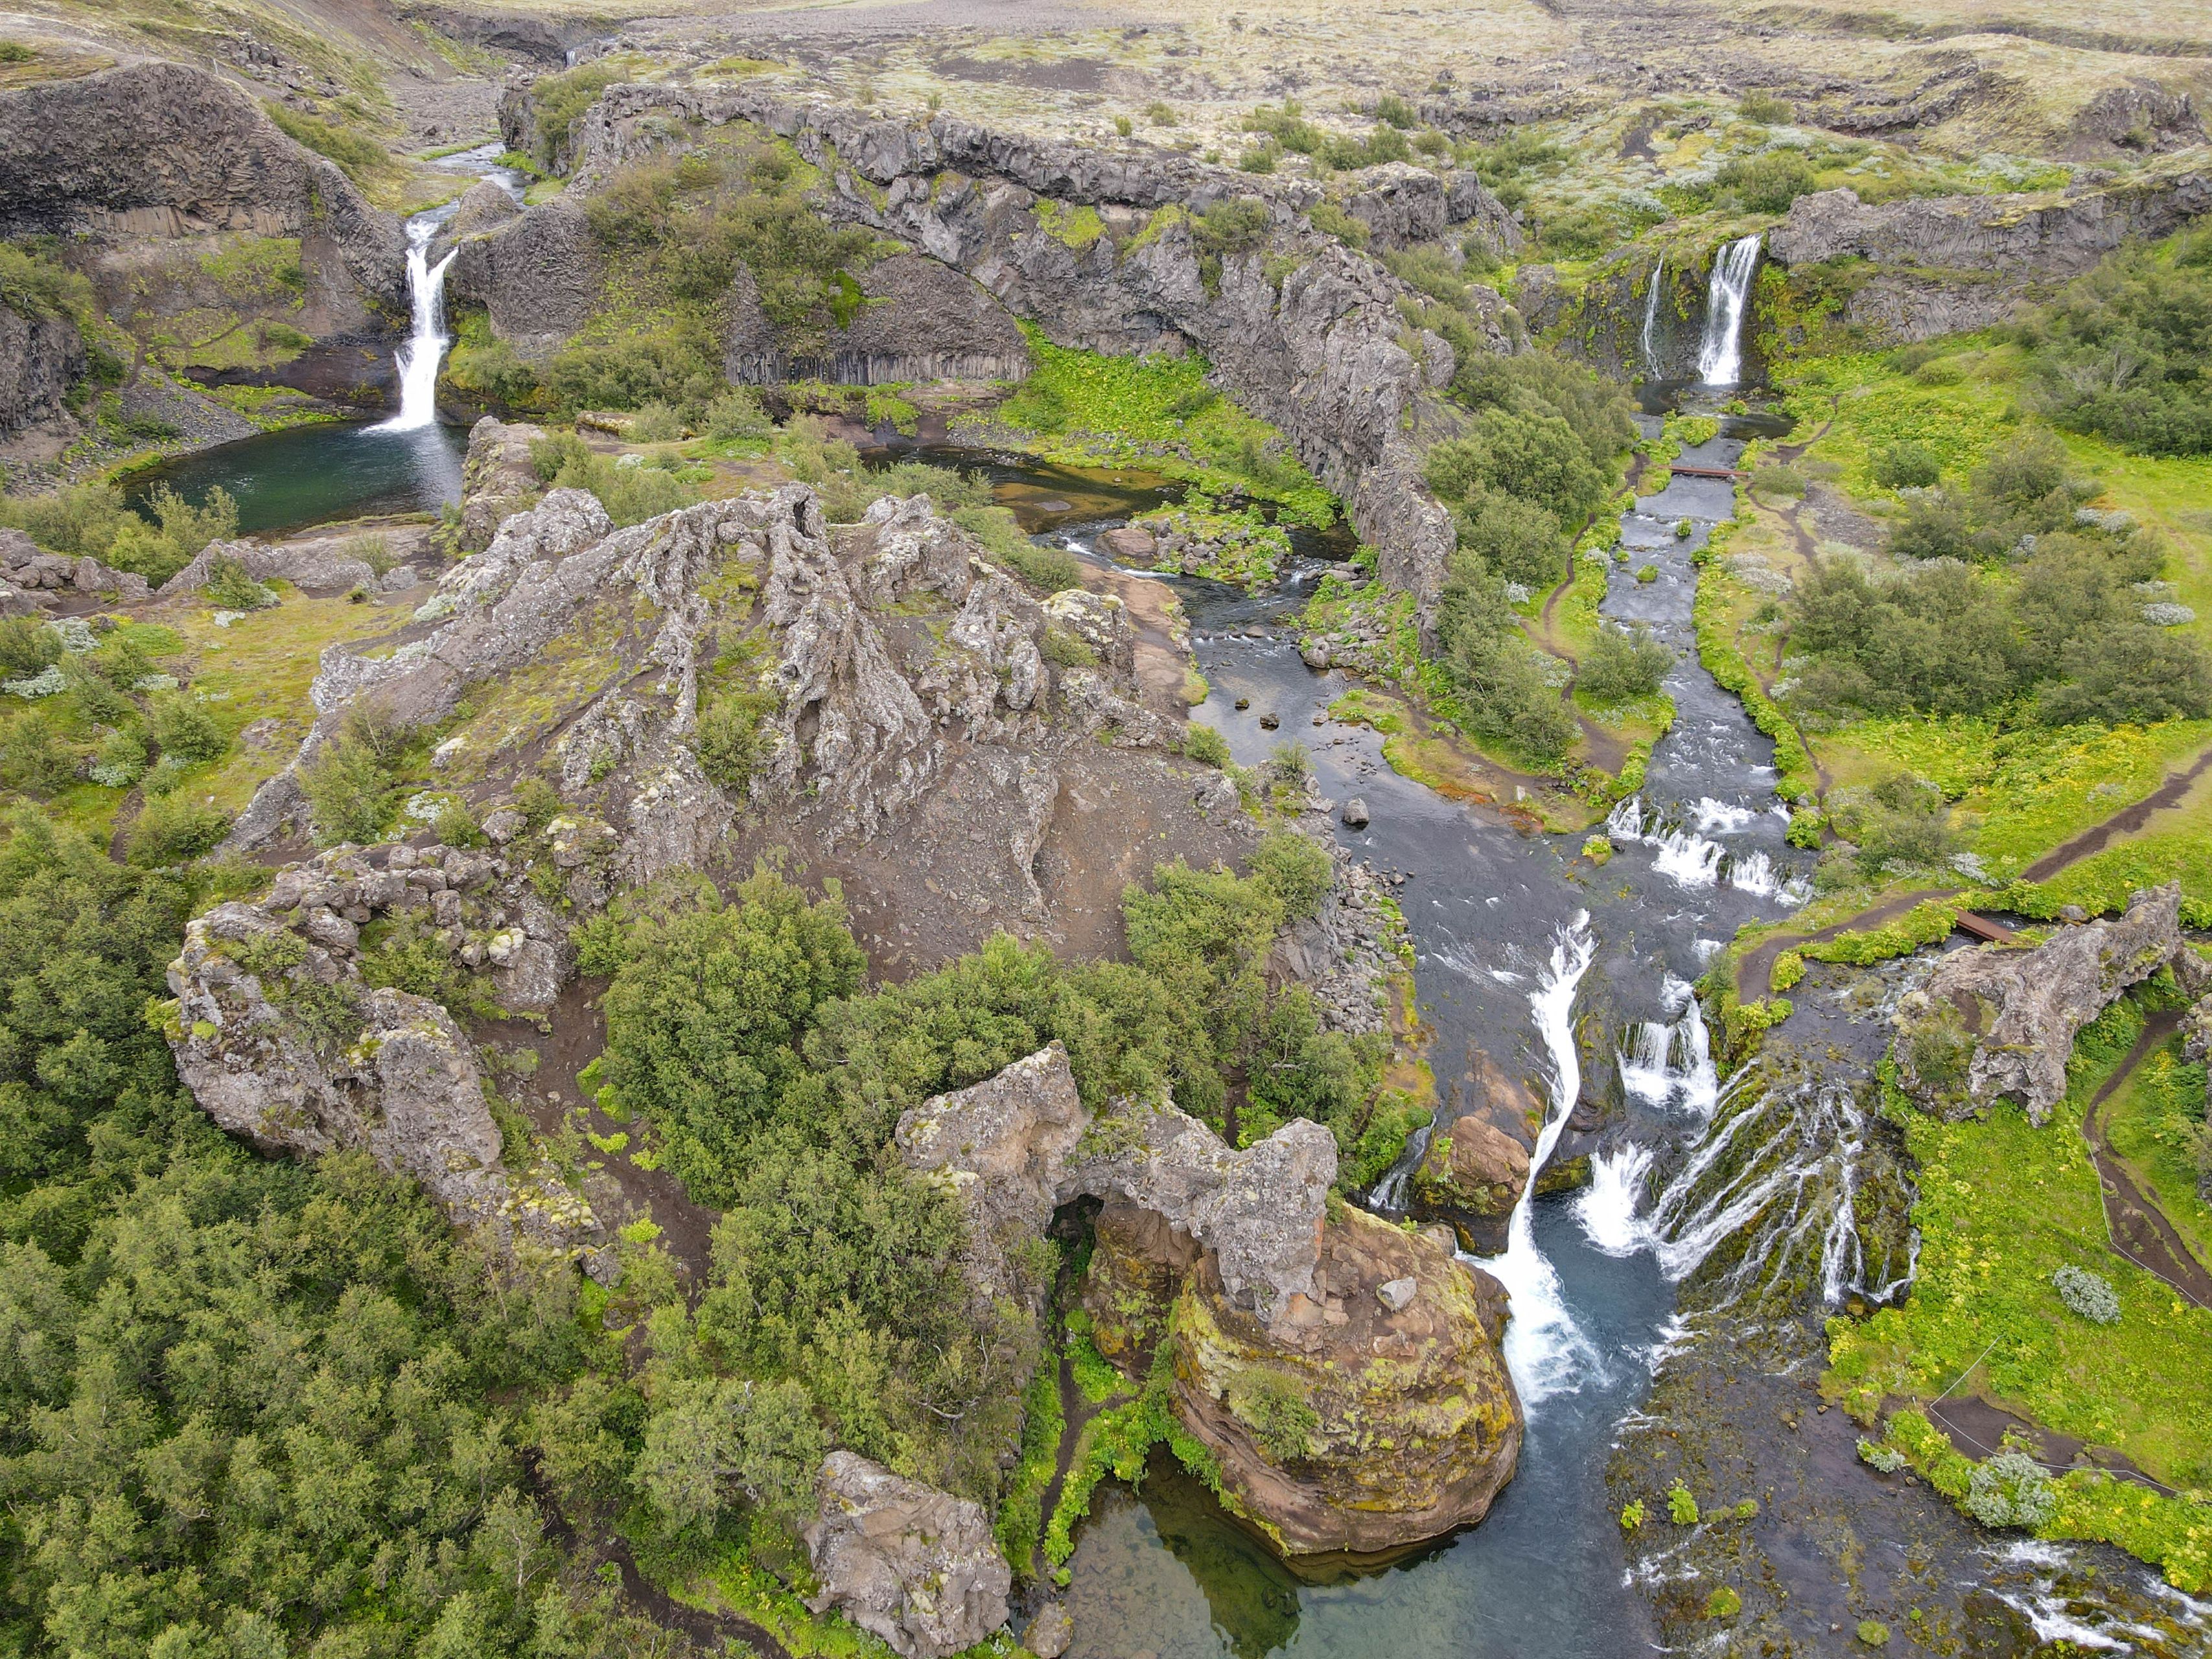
{"x":1981,"y":927}
{"x":1682,"y":471}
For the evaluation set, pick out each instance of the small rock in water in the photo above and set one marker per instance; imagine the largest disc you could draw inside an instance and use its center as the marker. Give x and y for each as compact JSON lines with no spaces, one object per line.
{"x":1055,"y":506}
{"x":1317,"y":654}
{"x":1269,"y":721}
{"x":2073,"y":913}
{"x":1355,"y":813}
{"x":1050,"y":1632}
{"x":1243,"y":703}
{"x":1395,"y":1293}
{"x":1320,"y":719}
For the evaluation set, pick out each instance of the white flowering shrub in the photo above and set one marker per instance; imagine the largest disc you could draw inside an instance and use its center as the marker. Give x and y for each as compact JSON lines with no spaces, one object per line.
{"x":2166,"y":614}
{"x":2090,"y":1295}
{"x":1887,"y":1459}
{"x":46,"y":682}
{"x":2011,"y":1490}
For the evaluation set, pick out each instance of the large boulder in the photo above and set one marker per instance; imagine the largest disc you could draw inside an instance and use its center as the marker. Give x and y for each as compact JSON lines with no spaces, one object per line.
{"x":1377,"y":1414}
{"x":919,"y":320}
{"x":1471,"y":1175}
{"x":24,"y":565}
{"x":1002,"y":1146}
{"x":1256,"y":1212}
{"x":538,"y":276}
{"x":2000,"y":1020}
{"x":915,"y":1566}
{"x":41,"y":358}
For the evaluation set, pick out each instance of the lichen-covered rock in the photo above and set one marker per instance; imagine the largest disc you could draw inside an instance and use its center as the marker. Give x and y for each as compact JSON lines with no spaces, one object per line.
{"x":497,"y":477}
{"x":22,"y":565}
{"x":2000,"y":1020}
{"x":1471,"y":1175}
{"x":282,"y":1043}
{"x":915,"y":1566}
{"x":1377,"y":1414}
{"x":1258,"y":1211}
{"x":1002,"y":1146}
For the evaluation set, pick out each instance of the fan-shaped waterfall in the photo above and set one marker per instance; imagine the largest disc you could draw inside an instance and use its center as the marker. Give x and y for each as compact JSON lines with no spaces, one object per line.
{"x":1720,"y":356}
{"x":426,"y":344}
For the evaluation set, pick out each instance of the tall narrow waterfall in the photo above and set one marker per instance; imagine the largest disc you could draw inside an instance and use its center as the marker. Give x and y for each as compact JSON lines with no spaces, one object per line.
{"x":1652,"y":317}
{"x":1720,"y":357}
{"x":1545,"y":1349}
{"x":425,"y":348}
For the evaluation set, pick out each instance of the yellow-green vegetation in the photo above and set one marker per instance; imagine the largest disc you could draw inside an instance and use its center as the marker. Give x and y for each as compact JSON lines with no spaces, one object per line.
{"x":2155,"y":1122}
{"x":1019,"y":1526}
{"x":1081,"y":408}
{"x":2001,"y":1207}
{"x":1922,"y":925}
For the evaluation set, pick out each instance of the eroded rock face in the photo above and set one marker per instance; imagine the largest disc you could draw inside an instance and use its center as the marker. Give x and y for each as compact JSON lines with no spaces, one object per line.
{"x":915,"y":1566}
{"x":1322,"y":353}
{"x":924,"y":321}
{"x":22,"y":566}
{"x":41,"y":359}
{"x":1946,"y":264}
{"x":1258,"y":1212}
{"x":282,"y":1043}
{"x":2000,"y":1020}
{"x":1377,"y":1414}
{"x":324,"y":566}
{"x":497,"y":477}
{"x":1002,"y":1145}
{"x":153,"y":149}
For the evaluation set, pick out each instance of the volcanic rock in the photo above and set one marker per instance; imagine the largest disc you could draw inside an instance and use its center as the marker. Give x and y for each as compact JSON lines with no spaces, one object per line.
{"x":1472,"y":1176}
{"x":915,"y":1566}
{"x":1999,"y":1020}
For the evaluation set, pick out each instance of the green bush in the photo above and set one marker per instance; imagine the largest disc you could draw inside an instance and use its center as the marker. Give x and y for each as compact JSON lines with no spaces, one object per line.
{"x":1765,"y":108}
{"x":1205,"y":744}
{"x":349,"y":788}
{"x":1298,"y":869}
{"x":728,"y":738}
{"x":1623,"y":664}
{"x":738,"y":413}
{"x":1494,"y":670}
{"x":631,"y":495}
{"x":182,"y":726}
{"x":1519,"y":540}
{"x":2143,"y":311}
{"x":229,"y":587}
{"x":83,"y":520}
{"x":1278,"y":1411}
{"x":35,"y":286}
{"x":1046,"y":566}
{"x":175,"y":828}
{"x":1905,"y":465}
{"x":1770,"y":181}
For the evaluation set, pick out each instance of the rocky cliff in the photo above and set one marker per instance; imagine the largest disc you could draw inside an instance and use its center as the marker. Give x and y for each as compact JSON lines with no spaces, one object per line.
{"x":41,"y":359}
{"x":1300,"y":328}
{"x":152,"y":150}
{"x":1944,"y":263}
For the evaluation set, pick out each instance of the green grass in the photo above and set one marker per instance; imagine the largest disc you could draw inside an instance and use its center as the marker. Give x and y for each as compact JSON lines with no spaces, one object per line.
{"x":2148,"y":1120}
{"x":1020,"y":1521}
{"x":1084,"y":407}
{"x":2000,"y":1206}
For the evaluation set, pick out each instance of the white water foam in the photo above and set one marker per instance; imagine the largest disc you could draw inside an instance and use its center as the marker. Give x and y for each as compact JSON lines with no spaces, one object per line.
{"x":1670,"y":1062}
{"x":1545,"y":1349}
{"x":1686,"y":854}
{"x":419,"y":358}
{"x":1651,"y":316}
{"x":1607,"y":1207}
{"x":1719,"y":355}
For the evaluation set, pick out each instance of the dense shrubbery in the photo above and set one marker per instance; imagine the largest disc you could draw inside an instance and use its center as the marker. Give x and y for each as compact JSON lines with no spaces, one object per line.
{"x":91,"y":520}
{"x":742,"y":1032}
{"x":2126,"y":353}
{"x":2052,"y":624}
{"x":1622,"y":664}
{"x":631,"y":495}
{"x":248,"y":1407}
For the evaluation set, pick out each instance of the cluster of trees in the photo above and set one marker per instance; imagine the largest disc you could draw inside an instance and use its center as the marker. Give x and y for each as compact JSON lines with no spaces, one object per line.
{"x":838,"y":1309}
{"x":2126,"y":353}
{"x":2012,"y":604}
{"x":248,"y":1407}
{"x":1535,"y":463}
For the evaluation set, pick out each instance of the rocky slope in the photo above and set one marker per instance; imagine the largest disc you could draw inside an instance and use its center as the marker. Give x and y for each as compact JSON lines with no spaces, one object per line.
{"x":144,"y":168}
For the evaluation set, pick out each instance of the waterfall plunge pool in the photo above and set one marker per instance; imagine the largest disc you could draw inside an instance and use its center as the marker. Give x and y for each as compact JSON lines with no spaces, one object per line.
{"x":309,"y":474}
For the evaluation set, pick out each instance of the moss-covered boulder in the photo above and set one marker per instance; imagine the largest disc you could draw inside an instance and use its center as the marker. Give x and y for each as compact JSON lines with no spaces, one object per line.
{"x":1367,"y":1418}
{"x":1471,"y":1176}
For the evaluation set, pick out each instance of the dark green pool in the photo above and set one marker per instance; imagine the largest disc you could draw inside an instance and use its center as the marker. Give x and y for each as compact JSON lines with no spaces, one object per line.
{"x":314,"y":474}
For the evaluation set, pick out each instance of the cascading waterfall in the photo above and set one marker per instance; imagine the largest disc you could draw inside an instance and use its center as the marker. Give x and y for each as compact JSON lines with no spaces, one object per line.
{"x":425,"y":348}
{"x":1670,"y":1062}
{"x":1652,"y":317}
{"x":1719,"y":355}
{"x":1545,"y":1349}
{"x":1686,"y":854}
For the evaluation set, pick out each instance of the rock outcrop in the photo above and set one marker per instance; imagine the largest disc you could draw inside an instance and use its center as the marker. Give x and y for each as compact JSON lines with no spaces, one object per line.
{"x":919,"y":320}
{"x":162,"y":150}
{"x":1377,"y":1414}
{"x":1999,"y":1021}
{"x":324,"y":565}
{"x":1304,"y":329}
{"x":497,"y":477}
{"x":283,"y":1043}
{"x":1471,"y":1175}
{"x":1949,"y":263}
{"x":913,"y":1565}
{"x":1257,"y":1212}
{"x":1002,"y":1146}
{"x":41,"y":358}
{"x":24,"y":567}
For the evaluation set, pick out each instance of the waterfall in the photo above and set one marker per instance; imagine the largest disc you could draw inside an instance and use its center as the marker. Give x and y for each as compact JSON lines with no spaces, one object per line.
{"x":1720,"y":357}
{"x":1670,"y":1063}
{"x":1652,"y":317}
{"x":425,"y":348}
{"x":1545,"y":1349}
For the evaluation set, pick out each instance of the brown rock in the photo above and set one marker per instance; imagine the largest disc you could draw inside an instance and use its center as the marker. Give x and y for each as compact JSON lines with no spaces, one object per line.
{"x":1349,"y":1427}
{"x":1471,"y":1176}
